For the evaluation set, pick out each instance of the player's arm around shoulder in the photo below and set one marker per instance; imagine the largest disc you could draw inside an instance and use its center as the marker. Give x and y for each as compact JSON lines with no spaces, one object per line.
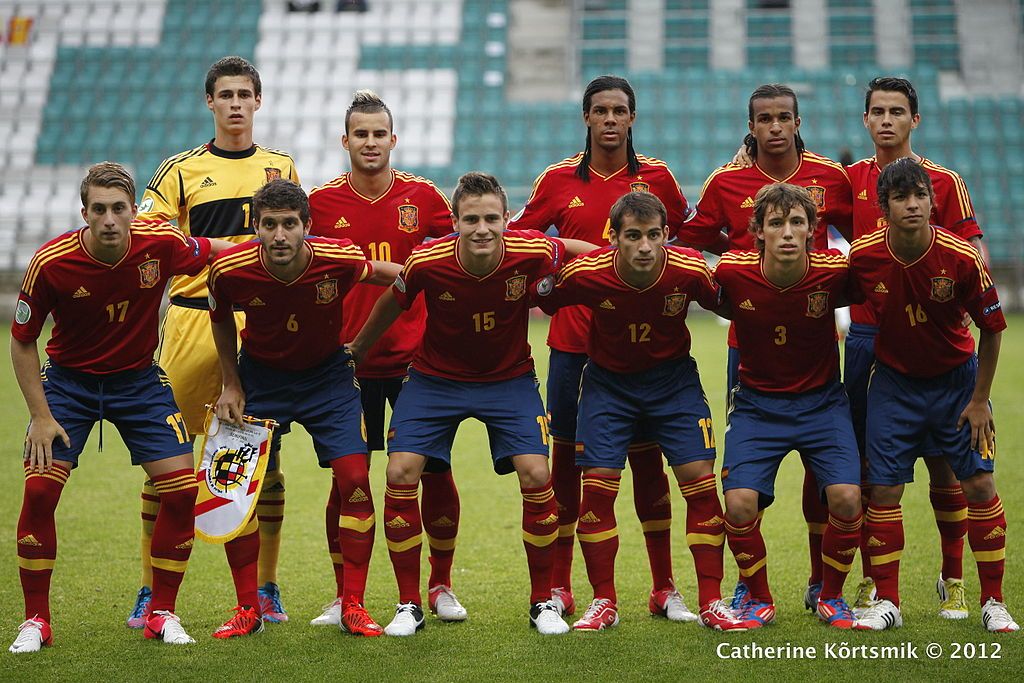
{"x":381,"y":273}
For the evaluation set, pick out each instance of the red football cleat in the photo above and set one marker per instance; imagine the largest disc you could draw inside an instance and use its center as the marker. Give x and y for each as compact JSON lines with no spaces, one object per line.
{"x":357,"y":621}
{"x":246,"y":622}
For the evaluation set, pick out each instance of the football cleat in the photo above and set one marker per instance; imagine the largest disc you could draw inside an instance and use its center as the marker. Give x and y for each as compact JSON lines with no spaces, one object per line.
{"x":566,"y":604}
{"x":836,"y":613}
{"x":33,"y":634}
{"x":756,"y":613}
{"x":140,"y":612}
{"x":167,"y":627}
{"x":600,"y":615}
{"x":717,"y":615}
{"x":408,"y":619}
{"x":952,"y":598}
{"x":881,"y":615}
{"x":331,"y":615}
{"x":811,"y":594}
{"x":740,"y":596}
{"x":669,"y":603}
{"x":445,"y":605}
{"x":865,"y":596}
{"x":271,"y":609}
{"x":357,"y":621}
{"x":246,"y":622}
{"x":546,"y":618}
{"x":994,"y":616}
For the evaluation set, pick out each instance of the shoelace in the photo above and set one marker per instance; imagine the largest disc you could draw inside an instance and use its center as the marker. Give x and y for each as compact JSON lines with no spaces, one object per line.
{"x":357,"y":616}
{"x":336,"y":603}
{"x":172,"y":624}
{"x":406,"y":607}
{"x":595,"y":607}
{"x":841,"y":608}
{"x":141,"y":602}
{"x":27,"y":632}
{"x":998,"y":609}
{"x":957,"y":594}
{"x":243,"y":620}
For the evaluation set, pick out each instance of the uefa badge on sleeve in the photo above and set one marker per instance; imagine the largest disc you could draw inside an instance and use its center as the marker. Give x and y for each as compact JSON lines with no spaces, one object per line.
{"x":230,"y":476}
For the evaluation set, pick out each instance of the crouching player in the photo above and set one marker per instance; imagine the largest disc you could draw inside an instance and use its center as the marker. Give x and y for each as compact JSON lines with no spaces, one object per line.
{"x":474,"y":361}
{"x":103,"y":283}
{"x":640,"y":378}
{"x":781,"y":300}
{"x":291,"y":369}
{"x":929,"y":392}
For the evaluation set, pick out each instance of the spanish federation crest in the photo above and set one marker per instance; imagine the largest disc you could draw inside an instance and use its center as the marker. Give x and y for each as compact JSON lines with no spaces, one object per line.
{"x":674,"y":304}
{"x":227,"y":469}
{"x":942,"y":289}
{"x":515,"y":288}
{"x":272,"y":173}
{"x":817,"y":304}
{"x":408,"y":218}
{"x":639,"y":187}
{"x":326,"y":291}
{"x":817,"y":193}
{"x":149,"y":273}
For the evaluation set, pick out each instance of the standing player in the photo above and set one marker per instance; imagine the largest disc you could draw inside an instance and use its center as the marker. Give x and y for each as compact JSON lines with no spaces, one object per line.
{"x":640,"y":378}
{"x":890,"y":116}
{"x":727,"y":203}
{"x":575,"y":196}
{"x":208,"y":192}
{"x":929,"y":392}
{"x":781,"y":299}
{"x":292,"y":369}
{"x":103,"y":284}
{"x":386,"y":213}
{"x":473,"y":361}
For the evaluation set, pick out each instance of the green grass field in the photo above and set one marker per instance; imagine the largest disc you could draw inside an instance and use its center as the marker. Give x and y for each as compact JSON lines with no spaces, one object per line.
{"x":97,"y":576}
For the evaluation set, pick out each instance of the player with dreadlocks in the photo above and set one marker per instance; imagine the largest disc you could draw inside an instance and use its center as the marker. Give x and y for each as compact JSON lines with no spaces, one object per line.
{"x":575,"y":196}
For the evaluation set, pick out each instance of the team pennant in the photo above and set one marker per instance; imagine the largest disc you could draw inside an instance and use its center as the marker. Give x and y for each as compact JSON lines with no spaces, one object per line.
{"x":230,"y":476}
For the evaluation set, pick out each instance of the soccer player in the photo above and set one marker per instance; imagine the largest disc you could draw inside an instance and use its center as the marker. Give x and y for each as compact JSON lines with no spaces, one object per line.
{"x":640,"y":377}
{"x":890,"y":116}
{"x":727,"y":202}
{"x":292,"y":369}
{"x":575,"y":196}
{"x":103,"y":284}
{"x":208,"y":192}
{"x":781,"y":299}
{"x":929,"y":392}
{"x":473,"y":361}
{"x":386,"y":213}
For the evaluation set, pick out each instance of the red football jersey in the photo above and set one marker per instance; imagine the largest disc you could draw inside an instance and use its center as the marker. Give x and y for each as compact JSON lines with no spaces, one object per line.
{"x":106,"y":317}
{"x":727,"y":201}
{"x":386,"y":228}
{"x":787,"y":336}
{"x":633,"y":330}
{"x":476,"y":326}
{"x":288,"y":325}
{"x":921,"y":304}
{"x":579,"y":210}
{"x":951,"y":209}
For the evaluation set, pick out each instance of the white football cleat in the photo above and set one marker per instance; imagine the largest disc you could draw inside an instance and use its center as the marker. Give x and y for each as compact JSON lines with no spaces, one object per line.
{"x":996,"y":618}
{"x":952,"y":598}
{"x":865,"y":596}
{"x":669,"y":603}
{"x":33,"y":634}
{"x":331,"y":615}
{"x":445,"y":605}
{"x":546,"y":618}
{"x":882,"y":615}
{"x":167,"y":627}
{"x":408,"y":619}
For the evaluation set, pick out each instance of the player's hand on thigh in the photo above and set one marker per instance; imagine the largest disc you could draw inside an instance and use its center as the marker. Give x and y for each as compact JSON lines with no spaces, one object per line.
{"x":39,"y":442}
{"x":983,"y":427}
{"x":231,"y":405}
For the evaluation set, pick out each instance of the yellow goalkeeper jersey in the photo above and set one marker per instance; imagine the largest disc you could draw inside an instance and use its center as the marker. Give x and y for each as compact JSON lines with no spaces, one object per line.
{"x":208,"y":192}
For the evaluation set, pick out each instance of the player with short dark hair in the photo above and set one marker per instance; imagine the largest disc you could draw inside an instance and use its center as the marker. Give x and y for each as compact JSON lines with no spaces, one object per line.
{"x":890,"y":116}
{"x":387,"y":212}
{"x":473,"y":361}
{"x":640,"y":378}
{"x":208,"y":191}
{"x":781,"y":299}
{"x":292,"y":369}
{"x":777,"y":154}
{"x":574,"y":196}
{"x":103,"y":284}
{"x":929,"y":392}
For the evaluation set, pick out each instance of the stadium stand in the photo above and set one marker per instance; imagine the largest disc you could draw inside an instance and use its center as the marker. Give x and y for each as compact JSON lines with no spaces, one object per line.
{"x":94,"y":79}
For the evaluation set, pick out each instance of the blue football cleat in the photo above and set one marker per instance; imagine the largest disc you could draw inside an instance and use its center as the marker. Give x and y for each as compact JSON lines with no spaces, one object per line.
{"x":140,"y":612}
{"x":271,"y":608}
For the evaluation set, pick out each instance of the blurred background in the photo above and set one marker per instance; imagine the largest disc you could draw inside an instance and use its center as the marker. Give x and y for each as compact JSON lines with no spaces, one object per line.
{"x":496,"y":85}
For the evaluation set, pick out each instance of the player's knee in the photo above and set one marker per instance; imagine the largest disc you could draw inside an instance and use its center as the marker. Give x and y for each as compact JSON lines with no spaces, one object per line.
{"x":532,"y":470}
{"x":844,"y":500}
{"x":940,"y":473}
{"x":886,"y":495}
{"x":405,"y":468}
{"x":979,"y":488}
{"x":741,"y":507}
